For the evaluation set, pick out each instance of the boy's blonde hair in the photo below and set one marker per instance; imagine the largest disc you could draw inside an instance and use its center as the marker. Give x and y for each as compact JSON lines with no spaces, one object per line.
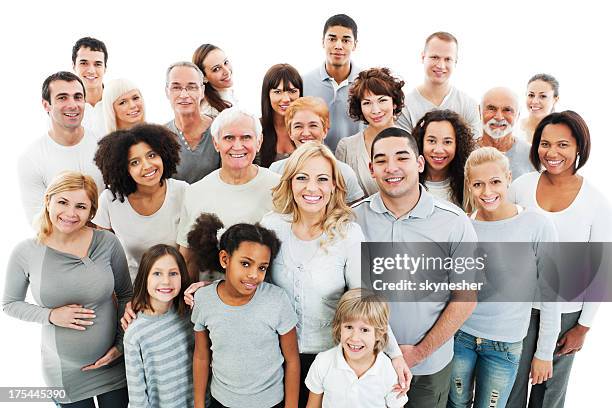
{"x":480,"y":156}
{"x":358,"y":304}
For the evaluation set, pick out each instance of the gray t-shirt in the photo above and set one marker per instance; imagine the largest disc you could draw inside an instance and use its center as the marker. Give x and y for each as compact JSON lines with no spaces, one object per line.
{"x":195,"y":164}
{"x":247,"y":362}
{"x":431,"y":220}
{"x":518,"y":156}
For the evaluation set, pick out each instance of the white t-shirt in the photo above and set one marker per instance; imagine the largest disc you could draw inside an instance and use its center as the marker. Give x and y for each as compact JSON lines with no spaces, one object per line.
{"x":45,"y":158}
{"x":137,"y":232}
{"x":93,"y":118}
{"x":331,"y":375}
{"x":233,"y":204}
{"x":587,"y":219}
{"x":441,"y":190}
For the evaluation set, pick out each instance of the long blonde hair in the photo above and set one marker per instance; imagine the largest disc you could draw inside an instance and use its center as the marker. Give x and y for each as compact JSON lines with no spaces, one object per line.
{"x":65,"y":181}
{"x":337,"y":213}
{"x":480,"y":156}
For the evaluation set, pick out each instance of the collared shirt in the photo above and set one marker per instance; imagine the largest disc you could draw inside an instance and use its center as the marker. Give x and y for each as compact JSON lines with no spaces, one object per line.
{"x":431,"y":220}
{"x":331,"y":375}
{"x":319,"y":83}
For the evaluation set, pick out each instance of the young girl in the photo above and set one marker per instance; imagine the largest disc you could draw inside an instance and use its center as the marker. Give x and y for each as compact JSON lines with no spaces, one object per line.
{"x":445,"y":141}
{"x":159,"y":344}
{"x":487,"y":348}
{"x":245,"y":328}
{"x":355,"y":373}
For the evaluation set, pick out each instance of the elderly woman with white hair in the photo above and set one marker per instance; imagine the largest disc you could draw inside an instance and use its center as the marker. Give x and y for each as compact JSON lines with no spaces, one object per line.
{"x":239,"y":191}
{"x":122,"y":105}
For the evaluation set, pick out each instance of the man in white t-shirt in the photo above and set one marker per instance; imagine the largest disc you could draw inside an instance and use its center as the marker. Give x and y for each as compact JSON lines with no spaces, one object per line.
{"x":239,"y":191}
{"x":89,"y":58}
{"x":500,"y":112}
{"x":439,"y":59}
{"x":67,"y":145}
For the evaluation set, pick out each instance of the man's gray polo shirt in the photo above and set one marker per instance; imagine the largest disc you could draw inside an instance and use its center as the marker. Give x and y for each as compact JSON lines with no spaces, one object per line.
{"x":318,"y":83}
{"x":431,"y":220}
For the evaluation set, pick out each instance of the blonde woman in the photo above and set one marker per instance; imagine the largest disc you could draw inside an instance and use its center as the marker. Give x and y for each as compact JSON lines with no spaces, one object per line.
{"x":320,"y":252}
{"x":73,"y":271}
{"x":122,"y":105}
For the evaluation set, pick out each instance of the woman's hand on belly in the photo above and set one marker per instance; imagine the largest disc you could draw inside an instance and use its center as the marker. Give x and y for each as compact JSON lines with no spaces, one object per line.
{"x":111,"y":355}
{"x":72,"y":317}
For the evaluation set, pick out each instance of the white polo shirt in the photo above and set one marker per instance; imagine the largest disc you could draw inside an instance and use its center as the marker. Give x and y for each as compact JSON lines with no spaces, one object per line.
{"x":331,"y":375}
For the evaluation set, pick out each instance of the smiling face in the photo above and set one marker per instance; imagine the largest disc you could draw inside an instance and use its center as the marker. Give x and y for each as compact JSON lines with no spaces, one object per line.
{"x":357,"y":339}
{"x":305,"y":126}
{"x":69,"y":211}
{"x":129,"y":109}
{"x":396,"y":167}
{"x":377,"y":110}
{"x":245,"y":268}
{"x":281,"y":97}
{"x":558,"y":149}
{"x":67,"y":104}
{"x":184,"y":90}
{"x":499,"y":112}
{"x":163,"y":282}
{"x":237,"y":144}
{"x":439,"y":146}
{"x":218,"y":70}
{"x":145,"y":166}
{"x":312,"y":185}
{"x":338,"y":43}
{"x":89,"y":66}
{"x":439,"y":59}
{"x":489,"y":184}
{"x":541,"y":98}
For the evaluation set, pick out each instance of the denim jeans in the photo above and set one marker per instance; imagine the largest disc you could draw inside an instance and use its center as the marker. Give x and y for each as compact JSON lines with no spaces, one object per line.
{"x":492,"y":365}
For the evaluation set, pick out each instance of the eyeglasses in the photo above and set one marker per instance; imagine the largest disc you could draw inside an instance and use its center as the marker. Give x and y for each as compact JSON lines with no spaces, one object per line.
{"x":177,"y":89}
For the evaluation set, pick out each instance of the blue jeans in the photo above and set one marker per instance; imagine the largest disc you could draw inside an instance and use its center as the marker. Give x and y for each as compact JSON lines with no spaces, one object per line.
{"x":491,"y":364}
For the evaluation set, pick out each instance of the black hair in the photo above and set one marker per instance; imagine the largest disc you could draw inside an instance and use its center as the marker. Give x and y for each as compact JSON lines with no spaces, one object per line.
{"x":278,"y":73}
{"x":395,"y":132}
{"x":59,"y":76}
{"x":464,"y":143}
{"x":580,"y":132}
{"x":140,"y":299}
{"x":341,"y":20}
{"x":205,"y":246}
{"x":112,"y":155}
{"x":91,"y":43}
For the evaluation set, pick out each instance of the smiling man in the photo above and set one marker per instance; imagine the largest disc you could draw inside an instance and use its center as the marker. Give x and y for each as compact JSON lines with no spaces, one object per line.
{"x":185,"y":91}
{"x":403,"y":211}
{"x":332,"y":80}
{"x":89,"y":58}
{"x":439,"y":58}
{"x":237,"y":192}
{"x":500,"y":114}
{"x":66,"y":146}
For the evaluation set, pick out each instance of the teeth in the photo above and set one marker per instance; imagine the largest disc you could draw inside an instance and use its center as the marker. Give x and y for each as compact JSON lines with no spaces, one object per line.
{"x":489,"y":200}
{"x":238,"y":156}
{"x":354,"y":348}
{"x":393,"y":179}
{"x":312,"y":198}
{"x":72,"y":115}
{"x":438,"y":159}
{"x":554,"y":162}
{"x":249,"y":285}
{"x":150,"y":174}
{"x":168,"y":290}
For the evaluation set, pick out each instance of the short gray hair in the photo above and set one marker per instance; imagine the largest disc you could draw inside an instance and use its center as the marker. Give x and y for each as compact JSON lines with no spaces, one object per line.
{"x":231,"y":115}
{"x":185,"y":64}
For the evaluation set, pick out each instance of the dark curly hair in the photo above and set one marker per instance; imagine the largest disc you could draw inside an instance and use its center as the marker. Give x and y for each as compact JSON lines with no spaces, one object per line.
{"x":205,"y":246}
{"x":112,"y":155}
{"x":464,"y":145}
{"x":378,"y":81}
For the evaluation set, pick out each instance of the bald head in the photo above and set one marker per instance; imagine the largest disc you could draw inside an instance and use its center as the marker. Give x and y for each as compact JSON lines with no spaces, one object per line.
{"x":500,"y":111}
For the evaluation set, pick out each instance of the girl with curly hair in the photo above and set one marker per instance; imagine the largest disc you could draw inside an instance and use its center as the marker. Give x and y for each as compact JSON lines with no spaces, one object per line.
{"x":375,"y":98}
{"x":142,"y":203}
{"x":445,"y":141}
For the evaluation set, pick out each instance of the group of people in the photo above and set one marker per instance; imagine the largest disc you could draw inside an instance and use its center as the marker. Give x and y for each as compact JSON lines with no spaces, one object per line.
{"x":228,"y":246}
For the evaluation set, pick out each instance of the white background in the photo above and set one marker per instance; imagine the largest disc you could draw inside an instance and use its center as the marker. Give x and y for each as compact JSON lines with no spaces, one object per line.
{"x":500,"y":43}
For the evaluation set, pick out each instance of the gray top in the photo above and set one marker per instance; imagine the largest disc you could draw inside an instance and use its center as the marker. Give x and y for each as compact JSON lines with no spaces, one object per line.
{"x":520,"y":273}
{"x":352,"y":151}
{"x":318,"y":83}
{"x":158,"y":361}
{"x":57,"y":279}
{"x":197,"y":163}
{"x":431,"y":220}
{"x":354,"y":191}
{"x":247,"y":362}
{"x":518,"y":156}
